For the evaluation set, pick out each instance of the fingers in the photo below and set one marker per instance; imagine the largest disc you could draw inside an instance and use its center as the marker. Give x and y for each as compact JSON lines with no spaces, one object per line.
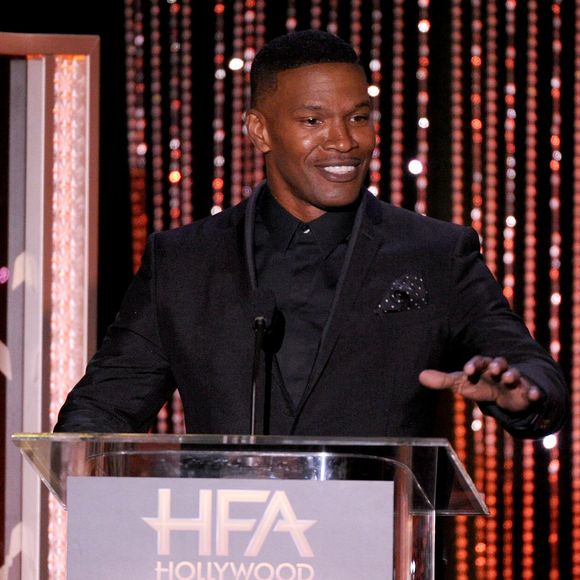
{"x":475,"y":367}
{"x":486,"y":379}
{"x":500,"y":371}
{"x":518,"y":399}
{"x":493,"y":369}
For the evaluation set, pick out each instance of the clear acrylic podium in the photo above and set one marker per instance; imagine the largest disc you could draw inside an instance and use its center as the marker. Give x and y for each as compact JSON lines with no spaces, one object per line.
{"x":428,"y":478}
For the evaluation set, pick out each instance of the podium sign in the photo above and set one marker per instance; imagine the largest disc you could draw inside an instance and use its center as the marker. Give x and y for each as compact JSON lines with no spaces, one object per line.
{"x":223,"y":529}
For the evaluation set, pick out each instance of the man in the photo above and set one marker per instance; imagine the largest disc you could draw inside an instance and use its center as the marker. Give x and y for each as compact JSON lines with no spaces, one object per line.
{"x":377,"y":308}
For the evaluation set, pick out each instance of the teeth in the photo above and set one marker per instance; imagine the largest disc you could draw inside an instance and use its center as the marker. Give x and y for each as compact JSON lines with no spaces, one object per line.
{"x":340,"y":169}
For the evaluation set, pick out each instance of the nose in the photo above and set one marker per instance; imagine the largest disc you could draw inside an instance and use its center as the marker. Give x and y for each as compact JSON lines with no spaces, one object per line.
{"x":340,"y":137}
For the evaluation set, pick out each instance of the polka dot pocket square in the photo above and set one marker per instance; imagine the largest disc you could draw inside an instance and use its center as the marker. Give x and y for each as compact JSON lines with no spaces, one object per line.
{"x":406,"y":293}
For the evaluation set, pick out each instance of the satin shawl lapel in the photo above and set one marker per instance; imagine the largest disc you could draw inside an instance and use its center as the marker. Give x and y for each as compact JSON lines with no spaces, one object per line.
{"x":364,"y":243}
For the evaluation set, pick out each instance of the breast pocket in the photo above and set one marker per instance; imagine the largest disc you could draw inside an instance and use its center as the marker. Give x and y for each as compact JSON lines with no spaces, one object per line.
{"x":402,"y":318}
{"x":393,"y":308}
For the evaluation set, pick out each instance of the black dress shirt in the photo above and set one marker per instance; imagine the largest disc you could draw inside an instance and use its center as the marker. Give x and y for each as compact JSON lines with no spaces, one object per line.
{"x":301,"y":263}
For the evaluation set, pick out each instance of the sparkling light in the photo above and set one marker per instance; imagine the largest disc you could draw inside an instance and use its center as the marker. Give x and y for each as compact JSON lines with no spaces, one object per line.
{"x":422,"y":74}
{"x":457,"y":154}
{"x":555,"y":252}
{"x":237,"y":108}
{"x":356,"y":25}
{"x":397,"y":103}
{"x":236,"y":64}
{"x":136,"y":135}
{"x":218,"y":111}
{"x":550,"y":441}
{"x":424,"y":25}
{"x":575,"y":347}
{"x":530,"y":275}
{"x":415,"y":167}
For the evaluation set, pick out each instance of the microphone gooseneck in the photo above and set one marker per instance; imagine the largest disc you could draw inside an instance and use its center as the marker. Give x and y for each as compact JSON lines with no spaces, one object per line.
{"x":264,"y":307}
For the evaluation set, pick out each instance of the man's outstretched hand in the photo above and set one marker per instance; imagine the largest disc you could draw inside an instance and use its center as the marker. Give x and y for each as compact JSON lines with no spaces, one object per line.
{"x":486,"y":379}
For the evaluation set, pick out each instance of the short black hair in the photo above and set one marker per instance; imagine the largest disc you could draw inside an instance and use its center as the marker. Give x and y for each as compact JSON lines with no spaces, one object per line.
{"x":294,"y":50}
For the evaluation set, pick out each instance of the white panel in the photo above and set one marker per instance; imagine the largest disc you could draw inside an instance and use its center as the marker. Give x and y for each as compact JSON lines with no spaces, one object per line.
{"x":34,"y":327}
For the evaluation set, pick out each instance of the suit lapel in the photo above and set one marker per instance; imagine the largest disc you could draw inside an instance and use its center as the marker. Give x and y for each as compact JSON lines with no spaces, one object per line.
{"x":364,"y":243}
{"x":240,"y":252}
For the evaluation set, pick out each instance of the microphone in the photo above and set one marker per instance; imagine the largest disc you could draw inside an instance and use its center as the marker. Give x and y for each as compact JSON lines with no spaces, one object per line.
{"x":264,"y":308}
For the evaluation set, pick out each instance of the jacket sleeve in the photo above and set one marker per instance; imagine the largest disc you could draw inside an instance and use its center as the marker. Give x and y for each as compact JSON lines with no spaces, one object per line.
{"x":128,"y":380}
{"x":482,"y":323}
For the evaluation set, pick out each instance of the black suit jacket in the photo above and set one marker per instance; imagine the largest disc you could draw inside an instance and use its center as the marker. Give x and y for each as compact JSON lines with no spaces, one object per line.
{"x":414,"y":294}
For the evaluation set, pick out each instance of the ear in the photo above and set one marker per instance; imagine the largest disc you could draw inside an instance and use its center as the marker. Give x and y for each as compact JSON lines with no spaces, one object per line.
{"x":257,"y":130}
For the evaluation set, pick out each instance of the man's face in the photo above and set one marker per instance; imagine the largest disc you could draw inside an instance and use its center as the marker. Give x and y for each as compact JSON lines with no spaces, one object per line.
{"x":317,"y":136}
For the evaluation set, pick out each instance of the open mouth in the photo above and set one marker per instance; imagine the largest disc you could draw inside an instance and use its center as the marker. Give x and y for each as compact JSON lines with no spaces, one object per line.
{"x":340,"y":171}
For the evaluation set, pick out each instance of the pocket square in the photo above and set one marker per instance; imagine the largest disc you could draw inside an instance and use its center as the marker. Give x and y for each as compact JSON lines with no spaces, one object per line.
{"x":406,"y":293}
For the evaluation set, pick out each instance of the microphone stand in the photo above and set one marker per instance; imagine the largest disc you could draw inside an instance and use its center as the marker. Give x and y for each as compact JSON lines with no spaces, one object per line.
{"x":260,"y":326}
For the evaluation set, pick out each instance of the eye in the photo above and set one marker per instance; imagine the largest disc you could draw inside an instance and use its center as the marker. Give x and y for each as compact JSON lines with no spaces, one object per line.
{"x":360,"y":118}
{"x":311,"y":121}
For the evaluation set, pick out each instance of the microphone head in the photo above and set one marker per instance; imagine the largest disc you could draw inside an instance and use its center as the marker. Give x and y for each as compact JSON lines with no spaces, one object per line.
{"x":263,"y":304}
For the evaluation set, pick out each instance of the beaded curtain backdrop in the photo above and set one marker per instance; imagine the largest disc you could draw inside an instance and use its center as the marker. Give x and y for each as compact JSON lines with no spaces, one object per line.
{"x":477,"y":113}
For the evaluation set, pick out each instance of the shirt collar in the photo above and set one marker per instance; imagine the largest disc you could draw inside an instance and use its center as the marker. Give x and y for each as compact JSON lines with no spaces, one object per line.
{"x":329,"y":230}
{"x":280,"y":224}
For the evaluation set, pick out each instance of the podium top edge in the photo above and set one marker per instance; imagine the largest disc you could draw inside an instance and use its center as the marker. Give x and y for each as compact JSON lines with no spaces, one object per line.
{"x":232,"y":439}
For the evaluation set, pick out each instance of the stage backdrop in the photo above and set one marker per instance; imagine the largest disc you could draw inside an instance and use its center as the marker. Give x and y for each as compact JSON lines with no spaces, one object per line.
{"x":475,"y":108}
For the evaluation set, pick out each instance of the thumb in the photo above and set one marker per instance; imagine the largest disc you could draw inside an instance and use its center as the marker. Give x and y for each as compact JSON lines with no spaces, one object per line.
{"x":436,"y":379}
